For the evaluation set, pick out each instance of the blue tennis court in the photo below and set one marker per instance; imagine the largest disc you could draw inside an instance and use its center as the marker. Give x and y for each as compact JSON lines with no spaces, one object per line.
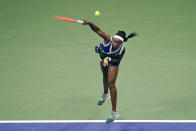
{"x":100,"y":126}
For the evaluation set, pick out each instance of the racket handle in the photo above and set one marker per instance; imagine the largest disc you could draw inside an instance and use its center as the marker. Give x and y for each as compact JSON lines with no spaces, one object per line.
{"x":80,"y":21}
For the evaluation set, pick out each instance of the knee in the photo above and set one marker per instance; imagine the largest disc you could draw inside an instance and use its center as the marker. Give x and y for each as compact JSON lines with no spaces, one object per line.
{"x":111,"y":84}
{"x":105,"y":79}
{"x":105,"y":76}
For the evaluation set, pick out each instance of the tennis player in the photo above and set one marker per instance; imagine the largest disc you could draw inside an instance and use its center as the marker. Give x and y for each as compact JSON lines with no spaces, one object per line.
{"x":111,"y":52}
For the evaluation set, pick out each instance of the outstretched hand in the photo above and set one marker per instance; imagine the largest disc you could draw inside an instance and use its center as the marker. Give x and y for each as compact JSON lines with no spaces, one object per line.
{"x":86,"y":22}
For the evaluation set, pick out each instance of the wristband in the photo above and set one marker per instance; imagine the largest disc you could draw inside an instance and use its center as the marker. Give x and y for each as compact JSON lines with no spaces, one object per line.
{"x":109,"y":59}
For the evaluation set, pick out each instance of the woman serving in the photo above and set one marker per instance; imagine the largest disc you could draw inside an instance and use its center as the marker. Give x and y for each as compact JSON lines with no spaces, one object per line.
{"x":111,"y":52}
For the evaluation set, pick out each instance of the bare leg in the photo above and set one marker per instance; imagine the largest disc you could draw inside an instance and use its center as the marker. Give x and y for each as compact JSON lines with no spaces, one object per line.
{"x":112,"y":75}
{"x":105,"y":77}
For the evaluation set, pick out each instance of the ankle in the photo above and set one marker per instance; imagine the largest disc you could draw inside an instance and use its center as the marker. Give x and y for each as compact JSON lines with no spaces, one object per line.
{"x":105,"y":92}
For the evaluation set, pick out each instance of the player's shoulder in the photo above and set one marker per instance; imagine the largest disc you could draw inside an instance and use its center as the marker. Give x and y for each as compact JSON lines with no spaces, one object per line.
{"x":107,"y":42}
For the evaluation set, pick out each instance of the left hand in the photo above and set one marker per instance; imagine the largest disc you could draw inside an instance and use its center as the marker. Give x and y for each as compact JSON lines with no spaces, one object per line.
{"x":105,"y":61}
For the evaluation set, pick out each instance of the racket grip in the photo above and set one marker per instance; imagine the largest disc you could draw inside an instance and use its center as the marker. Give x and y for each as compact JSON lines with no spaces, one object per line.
{"x":80,"y":21}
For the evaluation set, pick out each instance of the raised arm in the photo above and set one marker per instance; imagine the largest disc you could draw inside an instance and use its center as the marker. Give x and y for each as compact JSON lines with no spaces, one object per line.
{"x":97,"y":30}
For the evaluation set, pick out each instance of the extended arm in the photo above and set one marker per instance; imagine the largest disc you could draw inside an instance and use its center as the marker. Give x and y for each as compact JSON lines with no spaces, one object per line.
{"x":105,"y":62}
{"x":97,"y":30}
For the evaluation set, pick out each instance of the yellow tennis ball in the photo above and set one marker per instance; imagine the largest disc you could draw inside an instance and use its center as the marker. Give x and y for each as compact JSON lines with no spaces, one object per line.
{"x":97,"y":13}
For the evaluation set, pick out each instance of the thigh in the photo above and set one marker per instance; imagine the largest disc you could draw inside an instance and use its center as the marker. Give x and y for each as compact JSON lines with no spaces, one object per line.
{"x":112,"y":73}
{"x":104,"y":70}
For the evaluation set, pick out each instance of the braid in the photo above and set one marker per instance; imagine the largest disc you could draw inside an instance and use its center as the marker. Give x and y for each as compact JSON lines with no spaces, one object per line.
{"x":125,"y":39}
{"x":130,"y":36}
{"x":123,"y":35}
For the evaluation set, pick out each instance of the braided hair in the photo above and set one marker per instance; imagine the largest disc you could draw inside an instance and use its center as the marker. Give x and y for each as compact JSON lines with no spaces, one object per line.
{"x":123,"y":35}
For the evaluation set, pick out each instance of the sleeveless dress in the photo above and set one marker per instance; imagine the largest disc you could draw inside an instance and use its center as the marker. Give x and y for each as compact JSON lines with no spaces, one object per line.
{"x":106,"y":51}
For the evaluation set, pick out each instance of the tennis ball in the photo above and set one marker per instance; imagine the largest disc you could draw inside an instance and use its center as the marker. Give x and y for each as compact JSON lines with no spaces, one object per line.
{"x":97,"y":13}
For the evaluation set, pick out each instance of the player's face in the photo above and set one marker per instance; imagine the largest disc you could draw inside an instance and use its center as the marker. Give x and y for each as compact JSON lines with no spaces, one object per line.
{"x":117,"y":41}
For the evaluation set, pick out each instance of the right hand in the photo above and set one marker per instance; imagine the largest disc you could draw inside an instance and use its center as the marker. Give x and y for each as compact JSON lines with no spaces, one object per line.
{"x":86,"y":22}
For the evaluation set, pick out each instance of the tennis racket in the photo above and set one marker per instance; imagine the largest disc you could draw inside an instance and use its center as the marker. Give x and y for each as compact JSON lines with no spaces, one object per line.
{"x":69,"y":19}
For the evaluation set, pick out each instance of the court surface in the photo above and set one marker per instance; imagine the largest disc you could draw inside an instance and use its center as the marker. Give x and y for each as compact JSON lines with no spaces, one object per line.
{"x":99,"y":126}
{"x":49,"y":70}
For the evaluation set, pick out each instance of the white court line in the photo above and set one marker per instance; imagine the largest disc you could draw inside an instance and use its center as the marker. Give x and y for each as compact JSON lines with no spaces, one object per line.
{"x":93,"y":121}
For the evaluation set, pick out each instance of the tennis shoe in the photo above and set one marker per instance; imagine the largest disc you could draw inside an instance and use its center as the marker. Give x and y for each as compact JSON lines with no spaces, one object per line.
{"x":113,"y":116}
{"x":103,"y":99}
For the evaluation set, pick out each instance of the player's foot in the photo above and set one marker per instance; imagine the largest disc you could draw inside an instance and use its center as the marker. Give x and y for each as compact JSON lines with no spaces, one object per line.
{"x":113,"y":116}
{"x":103,"y":99}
